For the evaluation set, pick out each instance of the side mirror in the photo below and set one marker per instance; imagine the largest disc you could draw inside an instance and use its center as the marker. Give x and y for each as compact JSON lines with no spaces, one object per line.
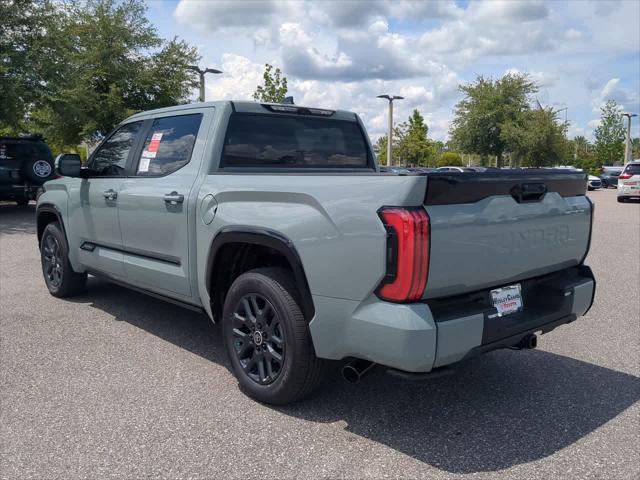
{"x":68,"y":164}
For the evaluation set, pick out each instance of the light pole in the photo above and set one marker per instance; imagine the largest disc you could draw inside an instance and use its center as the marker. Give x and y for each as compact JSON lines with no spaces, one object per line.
{"x":391,"y":98}
{"x":627,"y":143}
{"x":565,"y":119}
{"x":202,"y":73}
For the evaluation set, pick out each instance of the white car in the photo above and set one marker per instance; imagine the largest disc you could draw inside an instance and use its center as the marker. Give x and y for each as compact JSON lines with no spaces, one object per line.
{"x":629,"y":182}
{"x":451,"y":169}
{"x":594,"y":182}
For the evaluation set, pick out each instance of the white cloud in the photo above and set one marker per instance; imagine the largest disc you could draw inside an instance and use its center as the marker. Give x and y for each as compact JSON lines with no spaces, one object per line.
{"x":239,"y":81}
{"x":341,"y":54}
{"x":572,"y":34}
{"x":613,"y":91}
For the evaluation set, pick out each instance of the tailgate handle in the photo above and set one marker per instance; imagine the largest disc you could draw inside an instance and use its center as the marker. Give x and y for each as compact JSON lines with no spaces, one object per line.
{"x":528,"y":192}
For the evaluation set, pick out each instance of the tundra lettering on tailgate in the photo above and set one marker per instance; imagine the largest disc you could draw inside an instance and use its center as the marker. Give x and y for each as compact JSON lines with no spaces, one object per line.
{"x":523,"y":240}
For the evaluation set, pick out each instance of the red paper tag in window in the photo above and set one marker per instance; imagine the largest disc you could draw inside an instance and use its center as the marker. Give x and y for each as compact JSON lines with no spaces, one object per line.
{"x":154,"y":144}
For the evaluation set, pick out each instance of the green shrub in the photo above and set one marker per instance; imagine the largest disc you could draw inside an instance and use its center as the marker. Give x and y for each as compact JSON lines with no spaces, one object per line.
{"x":450,"y":159}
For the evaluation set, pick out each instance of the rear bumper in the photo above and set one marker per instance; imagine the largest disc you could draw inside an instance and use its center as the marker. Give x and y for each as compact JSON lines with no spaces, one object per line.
{"x":628,"y":190}
{"x":422,"y":336}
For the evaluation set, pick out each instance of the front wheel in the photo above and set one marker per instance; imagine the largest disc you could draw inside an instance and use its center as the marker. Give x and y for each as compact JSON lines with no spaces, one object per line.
{"x":60,"y":278}
{"x":22,"y":201}
{"x":621,"y":199}
{"x":267,"y":338}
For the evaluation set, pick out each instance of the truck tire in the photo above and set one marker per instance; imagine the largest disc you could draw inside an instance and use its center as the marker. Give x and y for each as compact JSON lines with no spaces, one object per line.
{"x":59,"y":277}
{"x":267,"y":338}
{"x":38,"y":171}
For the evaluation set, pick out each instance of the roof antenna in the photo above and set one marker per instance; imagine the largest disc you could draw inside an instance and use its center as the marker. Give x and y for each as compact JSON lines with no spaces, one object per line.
{"x":287,"y":101}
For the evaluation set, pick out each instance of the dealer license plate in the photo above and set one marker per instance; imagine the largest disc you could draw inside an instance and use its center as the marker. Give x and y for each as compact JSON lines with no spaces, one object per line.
{"x":507,"y":300}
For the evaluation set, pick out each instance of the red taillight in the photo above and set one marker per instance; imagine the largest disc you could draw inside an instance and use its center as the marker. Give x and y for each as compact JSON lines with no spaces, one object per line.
{"x":625,"y":176}
{"x":407,"y":254}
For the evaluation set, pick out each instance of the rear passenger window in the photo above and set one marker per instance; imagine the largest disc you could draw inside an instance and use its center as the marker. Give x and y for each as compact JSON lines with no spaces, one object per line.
{"x":169,"y":144}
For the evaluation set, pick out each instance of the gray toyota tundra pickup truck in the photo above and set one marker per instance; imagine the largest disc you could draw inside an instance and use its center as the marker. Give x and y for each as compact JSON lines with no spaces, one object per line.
{"x":275,"y":221}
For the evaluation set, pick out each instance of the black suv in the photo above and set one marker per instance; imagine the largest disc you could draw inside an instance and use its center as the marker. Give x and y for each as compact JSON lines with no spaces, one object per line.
{"x":25,"y":164}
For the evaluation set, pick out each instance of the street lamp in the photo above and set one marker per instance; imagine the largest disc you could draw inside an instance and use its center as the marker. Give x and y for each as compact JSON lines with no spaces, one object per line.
{"x":202,"y":73}
{"x":627,"y":144}
{"x":565,"y":109}
{"x":391,"y":98}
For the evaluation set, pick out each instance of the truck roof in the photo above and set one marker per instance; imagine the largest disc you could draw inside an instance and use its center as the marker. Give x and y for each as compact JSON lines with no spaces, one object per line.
{"x":241,"y":106}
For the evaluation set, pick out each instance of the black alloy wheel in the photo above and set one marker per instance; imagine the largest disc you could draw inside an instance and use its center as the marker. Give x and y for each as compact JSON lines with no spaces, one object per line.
{"x":59,"y":276}
{"x":259,"y":340}
{"x":52,"y":261}
{"x":267,"y":337}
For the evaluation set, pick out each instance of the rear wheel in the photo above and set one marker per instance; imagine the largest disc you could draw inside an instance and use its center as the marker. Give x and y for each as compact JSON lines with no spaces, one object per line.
{"x":22,"y":201}
{"x":621,"y":199}
{"x":267,"y":338}
{"x":60,"y":278}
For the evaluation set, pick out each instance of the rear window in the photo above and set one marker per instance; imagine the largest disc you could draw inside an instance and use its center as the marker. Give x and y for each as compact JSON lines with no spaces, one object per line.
{"x":632,"y":169}
{"x":24,"y":150}
{"x":280,"y":141}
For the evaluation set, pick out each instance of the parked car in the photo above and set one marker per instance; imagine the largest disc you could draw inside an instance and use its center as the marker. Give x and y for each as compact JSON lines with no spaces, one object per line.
{"x":396,"y":170}
{"x":420,"y":170}
{"x":270,"y":219}
{"x":629,"y":182}
{"x":609,"y":176}
{"x":454,"y":169}
{"x":593,"y":182}
{"x":25,"y":164}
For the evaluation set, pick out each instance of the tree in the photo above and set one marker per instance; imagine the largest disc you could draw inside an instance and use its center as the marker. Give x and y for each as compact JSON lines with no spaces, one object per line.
{"x":410,"y":143}
{"x":381,"y":146}
{"x":104,"y":61}
{"x":583,"y":155}
{"x":414,"y":147}
{"x":582,"y":147}
{"x":536,"y":138}
{"x":24,"y":57}
{"x":275,"y":86}
{"x":635,"y":147}
{"x":488,"y":105}
{"x":610,"y":135}
{"x":450,"y":159}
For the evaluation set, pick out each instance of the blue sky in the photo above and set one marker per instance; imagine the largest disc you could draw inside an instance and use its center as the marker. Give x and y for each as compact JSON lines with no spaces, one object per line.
{"x":343,"y":54}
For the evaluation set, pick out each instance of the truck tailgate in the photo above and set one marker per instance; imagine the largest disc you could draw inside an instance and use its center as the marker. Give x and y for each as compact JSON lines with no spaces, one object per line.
{"x":493,"y":229}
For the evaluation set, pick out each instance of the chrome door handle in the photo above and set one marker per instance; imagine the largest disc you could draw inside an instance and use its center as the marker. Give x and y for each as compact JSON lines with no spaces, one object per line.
{"x":110,"y":194}
{"x":173,"y":198}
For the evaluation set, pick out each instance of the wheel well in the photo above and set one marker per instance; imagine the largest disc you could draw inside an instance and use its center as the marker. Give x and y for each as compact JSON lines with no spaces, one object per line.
{"x":45,"y":217}
{"x":231,"y":259}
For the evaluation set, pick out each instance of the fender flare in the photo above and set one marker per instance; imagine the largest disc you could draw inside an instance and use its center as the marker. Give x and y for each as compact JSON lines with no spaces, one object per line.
{"x":267,"y":238}
{"x":48,"y":208}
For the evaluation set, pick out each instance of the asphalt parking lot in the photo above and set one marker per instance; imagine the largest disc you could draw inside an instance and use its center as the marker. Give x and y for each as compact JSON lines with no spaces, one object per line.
{"x":115,"y":384}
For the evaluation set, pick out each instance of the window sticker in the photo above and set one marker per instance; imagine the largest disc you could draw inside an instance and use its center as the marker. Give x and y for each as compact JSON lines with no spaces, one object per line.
{"x":154,"y":144}
{"x":144,"y":164}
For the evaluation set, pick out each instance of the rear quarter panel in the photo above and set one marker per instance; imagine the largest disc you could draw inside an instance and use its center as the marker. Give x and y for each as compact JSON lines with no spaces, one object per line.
{"x":331,"y":219}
